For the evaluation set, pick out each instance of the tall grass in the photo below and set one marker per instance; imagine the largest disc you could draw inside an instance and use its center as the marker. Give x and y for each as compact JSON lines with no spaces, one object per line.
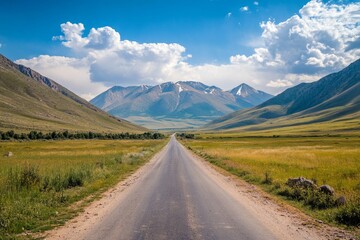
{"x":42,"y":179}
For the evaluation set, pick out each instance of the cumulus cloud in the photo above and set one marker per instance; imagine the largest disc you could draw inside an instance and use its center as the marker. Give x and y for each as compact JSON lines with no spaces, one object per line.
{"x":72,"y":73}
{"x":135,"y":63}
{"x":256,"y":3}
{"x":112,"y":61}
{"x":244,"y":9}
{"x":290,"y":79}
{"x":100,"y":38}
{"x":323,"y":37}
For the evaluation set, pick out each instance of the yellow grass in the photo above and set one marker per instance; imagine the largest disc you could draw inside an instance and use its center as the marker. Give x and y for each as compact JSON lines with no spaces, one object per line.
{"x":328,"y":160}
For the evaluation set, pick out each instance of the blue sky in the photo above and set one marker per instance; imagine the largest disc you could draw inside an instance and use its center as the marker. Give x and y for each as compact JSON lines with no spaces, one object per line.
{"x":216,"y":33}
{"x":202,"y":26}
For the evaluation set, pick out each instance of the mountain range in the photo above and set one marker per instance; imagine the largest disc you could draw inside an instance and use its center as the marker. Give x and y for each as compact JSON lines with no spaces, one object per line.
{"x":332,"y":103}
{"x":176,"y":105}
{"x":30,"y":101}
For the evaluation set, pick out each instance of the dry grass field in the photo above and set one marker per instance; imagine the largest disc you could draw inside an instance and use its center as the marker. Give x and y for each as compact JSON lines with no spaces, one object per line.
{"x":270,"y":161}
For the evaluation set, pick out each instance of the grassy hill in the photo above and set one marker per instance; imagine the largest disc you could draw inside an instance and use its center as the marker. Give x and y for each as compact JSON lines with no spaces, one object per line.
{"x":331,"y":105}
{"x":30,"y":101}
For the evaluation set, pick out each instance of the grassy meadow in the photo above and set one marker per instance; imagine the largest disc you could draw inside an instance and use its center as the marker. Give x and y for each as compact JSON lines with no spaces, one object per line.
{"x":43,"y":179}
{"x":270,"y":161}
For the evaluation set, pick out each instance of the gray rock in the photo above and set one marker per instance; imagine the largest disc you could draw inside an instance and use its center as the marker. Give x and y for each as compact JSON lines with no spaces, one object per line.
{"x":341,"y":201}
{"x":8,"y":154}
{"x":327,"y":189}
{"x":300,"y":182}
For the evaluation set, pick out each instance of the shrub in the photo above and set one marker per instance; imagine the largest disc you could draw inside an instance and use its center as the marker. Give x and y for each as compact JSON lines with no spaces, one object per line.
{"x":268,"y":179}
{"x":186,"y":135}
{"x":19,"y":178}
{"x":74,"y":179}
{"x":319,"y":200}
{"x":310,"y":197}
{"x":34,"y":135}
{"x":29,"y":176}
{"x":349,"y":214}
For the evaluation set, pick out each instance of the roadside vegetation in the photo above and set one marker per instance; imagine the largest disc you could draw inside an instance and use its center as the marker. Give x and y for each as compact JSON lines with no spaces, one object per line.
{"x":42,"y":180}
{"x":271,"y":161}
{"x":38,"y":135}
{"x":185,"y":135}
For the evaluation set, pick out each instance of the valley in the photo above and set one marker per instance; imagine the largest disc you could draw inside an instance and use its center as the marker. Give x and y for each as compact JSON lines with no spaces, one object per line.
{"x":199,"y":120}
{"x":66,"y":153}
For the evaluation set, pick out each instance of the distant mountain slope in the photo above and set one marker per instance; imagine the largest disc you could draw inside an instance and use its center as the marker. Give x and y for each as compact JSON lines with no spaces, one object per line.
{"x":245,"y":93}
{"x":333,"y":98}
{"x":192,"y":102}
{"x":30,"y":101}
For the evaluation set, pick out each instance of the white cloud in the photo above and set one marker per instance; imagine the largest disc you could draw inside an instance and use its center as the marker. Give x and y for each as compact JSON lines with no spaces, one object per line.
{"x":290,"y":79}
{"x":319,"y":39}
{"x":229,"y":14}
{"x":279,"y":83}
{"x":244,"y":9}
{"x":72,"y":73}
{"x":256,"y":3}
{"x":135,"y":63}
{"x":100,"y":38}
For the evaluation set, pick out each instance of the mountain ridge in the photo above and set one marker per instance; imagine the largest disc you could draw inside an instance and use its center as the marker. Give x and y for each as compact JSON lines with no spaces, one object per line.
{"x":31,"y":101}
{"x":333,"y":97}
{"x":188,"y":100}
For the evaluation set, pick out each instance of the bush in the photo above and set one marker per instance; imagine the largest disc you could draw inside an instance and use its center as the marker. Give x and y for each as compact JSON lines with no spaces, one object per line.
{"x":349,"y":214}
{"x":34,"y":135}
{"x":26,"y":177}
{"x":74,"y":179}
{"x":319,"y":200}
{"x":310,"y":197}
{"x":186,"y":135}
{"x":29,"y":176}
{"x":268,"y":179}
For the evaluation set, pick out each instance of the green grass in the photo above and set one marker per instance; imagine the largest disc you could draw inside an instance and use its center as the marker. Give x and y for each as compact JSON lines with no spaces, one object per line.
{"x":42,"y":181}
{"x":270,"y":161}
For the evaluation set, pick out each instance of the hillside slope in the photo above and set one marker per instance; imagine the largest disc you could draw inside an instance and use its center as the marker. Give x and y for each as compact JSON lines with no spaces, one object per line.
{"x":30,"y":101}
{"x":333,"y":99}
